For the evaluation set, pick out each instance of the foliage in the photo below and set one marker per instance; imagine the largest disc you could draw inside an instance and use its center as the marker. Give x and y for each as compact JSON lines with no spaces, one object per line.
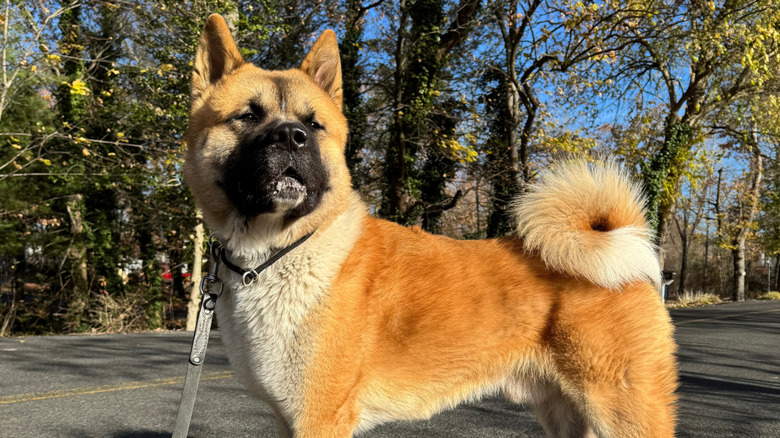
{"x":773,"y":295}
{"x":453,"y":106}
{"x":696,"y":299}
{"x":662,"y":172}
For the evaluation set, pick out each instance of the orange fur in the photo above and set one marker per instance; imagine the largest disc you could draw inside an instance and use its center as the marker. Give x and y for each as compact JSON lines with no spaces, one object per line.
{"x":368,"y":321}
{"x":422,"y":322}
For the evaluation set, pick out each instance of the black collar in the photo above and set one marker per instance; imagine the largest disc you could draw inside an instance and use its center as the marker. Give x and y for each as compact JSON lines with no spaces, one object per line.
{"x":248,"y":276}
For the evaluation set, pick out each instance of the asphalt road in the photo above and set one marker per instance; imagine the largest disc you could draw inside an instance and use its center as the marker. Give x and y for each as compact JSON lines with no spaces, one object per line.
{"x":128,"y":386}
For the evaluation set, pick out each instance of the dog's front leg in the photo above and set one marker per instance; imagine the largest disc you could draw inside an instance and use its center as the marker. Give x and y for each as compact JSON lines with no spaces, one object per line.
{"x":327,"y":419}
{"x":326,"y":428}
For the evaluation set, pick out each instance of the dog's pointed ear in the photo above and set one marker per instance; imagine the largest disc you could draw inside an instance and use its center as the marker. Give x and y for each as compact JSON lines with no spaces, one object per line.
{"x":216,"y":57}
{"x":323,"y":65}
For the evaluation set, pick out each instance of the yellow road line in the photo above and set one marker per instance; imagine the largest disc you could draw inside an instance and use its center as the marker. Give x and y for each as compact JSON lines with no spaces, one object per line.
{"x":19,"y":398}
{"x":726,"y":316}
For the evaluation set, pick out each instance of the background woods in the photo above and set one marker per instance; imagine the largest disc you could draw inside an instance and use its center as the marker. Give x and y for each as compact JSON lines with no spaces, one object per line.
{"x":454,"y":106}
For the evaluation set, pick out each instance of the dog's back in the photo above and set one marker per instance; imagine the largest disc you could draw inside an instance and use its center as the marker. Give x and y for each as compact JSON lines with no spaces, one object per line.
{"x":433,"y":321}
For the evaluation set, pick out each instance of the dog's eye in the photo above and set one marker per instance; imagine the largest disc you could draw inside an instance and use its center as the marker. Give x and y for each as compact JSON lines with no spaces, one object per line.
{"x":248,"y":117}
{"x":312,"y":124}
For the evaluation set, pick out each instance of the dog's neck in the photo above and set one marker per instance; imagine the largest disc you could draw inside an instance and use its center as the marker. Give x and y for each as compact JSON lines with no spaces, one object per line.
{"x":250,"y":241}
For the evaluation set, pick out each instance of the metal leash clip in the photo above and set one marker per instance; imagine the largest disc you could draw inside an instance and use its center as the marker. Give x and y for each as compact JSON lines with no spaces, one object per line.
{"x":210,"y":284}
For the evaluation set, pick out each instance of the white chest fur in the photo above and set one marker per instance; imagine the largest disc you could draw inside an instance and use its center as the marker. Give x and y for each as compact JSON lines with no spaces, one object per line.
{"x":264,"y":326}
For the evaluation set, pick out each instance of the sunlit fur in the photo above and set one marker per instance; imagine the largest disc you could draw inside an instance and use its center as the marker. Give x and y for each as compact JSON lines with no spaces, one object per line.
{"x":589,"y":220}
{"x":368,"y":321}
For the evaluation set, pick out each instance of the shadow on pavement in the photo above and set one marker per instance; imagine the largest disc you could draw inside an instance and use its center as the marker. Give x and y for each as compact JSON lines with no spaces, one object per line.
{"x":141,"y":434}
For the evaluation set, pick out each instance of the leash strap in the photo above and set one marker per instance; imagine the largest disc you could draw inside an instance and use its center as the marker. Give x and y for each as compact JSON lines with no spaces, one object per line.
{"x":211,"y":289}
{"x":248,"y":276}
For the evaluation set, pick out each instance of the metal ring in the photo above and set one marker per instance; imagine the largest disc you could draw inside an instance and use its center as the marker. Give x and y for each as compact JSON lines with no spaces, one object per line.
{"x":210,"y":302}
{"x":249,"y":277}
{"x":215,"y":248}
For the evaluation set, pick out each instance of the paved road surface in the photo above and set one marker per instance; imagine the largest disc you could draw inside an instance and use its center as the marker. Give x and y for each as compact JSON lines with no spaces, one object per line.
{"x":128,"y":386}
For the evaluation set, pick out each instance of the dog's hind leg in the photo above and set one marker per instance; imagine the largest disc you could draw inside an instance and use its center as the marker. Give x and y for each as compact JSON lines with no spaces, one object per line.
{"x":631,"y":412}
{"x":557,"y":413}
{"x":560,"y":417}
{"x":605,"y":408}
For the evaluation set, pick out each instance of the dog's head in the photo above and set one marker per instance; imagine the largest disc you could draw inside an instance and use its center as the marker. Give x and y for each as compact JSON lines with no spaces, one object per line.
{"x":265,"y":157}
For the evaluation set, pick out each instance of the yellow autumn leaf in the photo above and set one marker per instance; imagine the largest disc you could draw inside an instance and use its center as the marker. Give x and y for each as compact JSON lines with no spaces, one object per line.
{"x":166,"y":67}
{"x":79,"y":87}
{"x":46,"y":161}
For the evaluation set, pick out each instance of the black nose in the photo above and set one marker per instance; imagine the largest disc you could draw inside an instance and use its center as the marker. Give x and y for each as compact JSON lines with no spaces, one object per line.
{"x":290,"y":136}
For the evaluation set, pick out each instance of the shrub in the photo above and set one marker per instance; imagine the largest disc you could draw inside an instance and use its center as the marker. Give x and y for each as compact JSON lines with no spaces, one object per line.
{"x":774,"y":295}
{"x":699,"y":298}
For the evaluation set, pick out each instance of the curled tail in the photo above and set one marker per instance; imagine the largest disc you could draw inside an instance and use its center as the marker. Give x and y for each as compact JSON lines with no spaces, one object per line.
{"x":589,"y":221}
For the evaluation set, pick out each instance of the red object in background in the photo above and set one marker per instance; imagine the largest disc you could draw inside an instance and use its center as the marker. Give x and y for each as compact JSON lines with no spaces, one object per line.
{"x":169,"y":276}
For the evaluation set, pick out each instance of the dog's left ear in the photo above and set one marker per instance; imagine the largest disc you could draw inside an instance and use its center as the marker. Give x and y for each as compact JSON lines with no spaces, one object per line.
{"x":217,"y":56}
{"x":323,"y":65}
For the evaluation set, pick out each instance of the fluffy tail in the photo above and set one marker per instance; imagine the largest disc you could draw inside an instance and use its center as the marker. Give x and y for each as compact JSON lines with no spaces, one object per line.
{"x":589,"y":221}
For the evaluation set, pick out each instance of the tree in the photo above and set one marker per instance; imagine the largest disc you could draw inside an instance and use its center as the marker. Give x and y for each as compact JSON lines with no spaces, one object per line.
{"x":693,"y":208}
{"x":421,"y":55}
{"x":353,"y":82}
{"x":693,"y":59}
{"x":545,"y":45}
{"x":769,"y":220}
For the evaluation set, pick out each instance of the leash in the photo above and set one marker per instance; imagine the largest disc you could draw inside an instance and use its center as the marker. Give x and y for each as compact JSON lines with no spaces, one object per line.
{"x":211,"y":289}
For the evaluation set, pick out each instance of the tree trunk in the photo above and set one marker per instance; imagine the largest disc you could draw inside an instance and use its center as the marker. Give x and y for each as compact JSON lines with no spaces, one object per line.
{"x":706,"y":257}
{"x":777,"y":273}
{"x":10,"y":313}
{"x":352,"y":73}
{"x":420,"y":59}
{"x":757,"y":171}
{"x":738,"y":255}
{"x":393,"y":200}
{"x":193,"y":304}
{"x":77,"y":253}
{"x":662,"y":172}
{"x":684,"y":255}
{"x":517,"y":158}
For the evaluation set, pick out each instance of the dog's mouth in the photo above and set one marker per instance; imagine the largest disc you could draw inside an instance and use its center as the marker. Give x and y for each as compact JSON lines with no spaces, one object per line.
{"x":261,"y":177}
{"x":288,"y":186}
